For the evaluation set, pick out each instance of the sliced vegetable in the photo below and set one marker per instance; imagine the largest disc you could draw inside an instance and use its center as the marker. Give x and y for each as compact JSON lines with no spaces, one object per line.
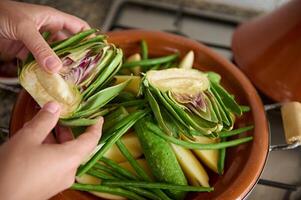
{"x":136,"y":70}
{"x":133,"y":86}
{"x":193,"y":169}
{"x":187,"y":61}
{"x":91,"y":180}
{"x":88,"y":62}
{"x":161,"y":158}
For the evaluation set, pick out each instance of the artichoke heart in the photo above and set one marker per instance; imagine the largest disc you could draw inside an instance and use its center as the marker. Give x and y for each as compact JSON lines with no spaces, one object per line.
{"x":82,"y":86}
{"x":44,"y":87}
{"x":179,"y":81}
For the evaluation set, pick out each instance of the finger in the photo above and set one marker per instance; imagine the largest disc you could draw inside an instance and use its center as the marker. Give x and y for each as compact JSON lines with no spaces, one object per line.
{"x":63,"y":134}
{"x":74,"y":24}
{"x":86,"y":142}
{"x":60,"y":35}
{"x":33,"y":40}
{"x":67,"y":22}
{"x":42,"y":124}
{"x":50,"y":139}
{"x":23,"y":53}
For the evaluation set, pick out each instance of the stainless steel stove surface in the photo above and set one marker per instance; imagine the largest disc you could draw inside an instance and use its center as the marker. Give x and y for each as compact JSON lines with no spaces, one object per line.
{"x":211,"y":25}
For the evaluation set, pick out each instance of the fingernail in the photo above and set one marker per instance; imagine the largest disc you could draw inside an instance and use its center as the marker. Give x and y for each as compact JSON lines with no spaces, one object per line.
{"x":51,"y":107}
{"x":52,"y":64}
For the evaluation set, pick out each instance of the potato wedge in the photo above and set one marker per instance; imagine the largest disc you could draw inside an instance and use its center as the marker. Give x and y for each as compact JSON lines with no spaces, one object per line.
{"x":142,"y":163}
{"x":87,"y":179}
{"x":133,"y":86}
{"x":187,"y":61}
{"x":208,"y":157}
{"x":135,"y":57}
{"x":191,"y":166}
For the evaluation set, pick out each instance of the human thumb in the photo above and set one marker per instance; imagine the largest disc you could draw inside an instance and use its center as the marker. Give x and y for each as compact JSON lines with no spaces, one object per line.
{"x":44,"y":55}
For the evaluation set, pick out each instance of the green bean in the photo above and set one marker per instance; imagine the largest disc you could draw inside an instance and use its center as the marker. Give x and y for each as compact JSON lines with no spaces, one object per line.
{"x":115,"y":175}
{"x":97,"y":38}
{"x":100,"y":175}
{"x":106,"y":189}
{"x":112,"y":140}
{"x":135,"y":116}
{"x":108,"y":170}
{"x":74,"y":39}
{"x":165,"y":186}
{"x":113,"y":118}
{"x":143,"y":192}
{"x":192,"y":145}
{"x":46,"y":35}
{"x":139,"y":170}
{"x":114,"y":165}
{"x":125,"y":152}
{"x":151,"y":61}
{"x":221,"y":159}
{"x":224,"y":134}
{"x":244,"y":108}
{"x":144,"y":50}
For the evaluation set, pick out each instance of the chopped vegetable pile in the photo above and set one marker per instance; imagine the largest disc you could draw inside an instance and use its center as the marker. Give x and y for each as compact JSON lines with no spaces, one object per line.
{"x":164,"y":120}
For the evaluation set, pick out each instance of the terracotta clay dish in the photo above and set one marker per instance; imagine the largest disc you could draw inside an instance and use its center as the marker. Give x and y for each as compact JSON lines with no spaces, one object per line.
{"x":8,"y":72}
{"x":244,"y":163}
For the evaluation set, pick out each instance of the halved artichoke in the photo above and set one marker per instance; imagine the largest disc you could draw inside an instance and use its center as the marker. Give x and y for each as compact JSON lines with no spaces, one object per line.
{"x":190,"y":102}
{"x":81,"y":86}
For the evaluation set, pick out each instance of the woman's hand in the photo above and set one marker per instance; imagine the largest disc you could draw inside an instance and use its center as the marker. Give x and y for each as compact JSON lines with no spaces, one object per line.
{"x":20,"y":27}
{"x":32,"y":170}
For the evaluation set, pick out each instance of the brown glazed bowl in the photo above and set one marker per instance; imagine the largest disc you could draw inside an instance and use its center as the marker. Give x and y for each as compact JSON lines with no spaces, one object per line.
{"x":244,"y":163}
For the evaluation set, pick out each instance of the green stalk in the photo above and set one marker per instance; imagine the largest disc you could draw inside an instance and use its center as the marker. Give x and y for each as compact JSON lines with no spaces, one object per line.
{"x":221,"y":159}
{"x":192,"y":145}
{"x":151,"y":61}
{"x":164,"y":186}
{"x":100,"y":175}
{"x":139,"y":170}
{"x":115,"y":175}
{"x":106,"y":189}
{"x":107,"y":170}
{"x":113,"y":118}
{"x":225,"y":134}
{"x":144,"y":50}
{"x":115,"y":166}
{"x":74,"y":39}
{"x":131,"y":118}
{"x":244,"y":108}
{"x":109,"y":143}
{"x":125,"y":152}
